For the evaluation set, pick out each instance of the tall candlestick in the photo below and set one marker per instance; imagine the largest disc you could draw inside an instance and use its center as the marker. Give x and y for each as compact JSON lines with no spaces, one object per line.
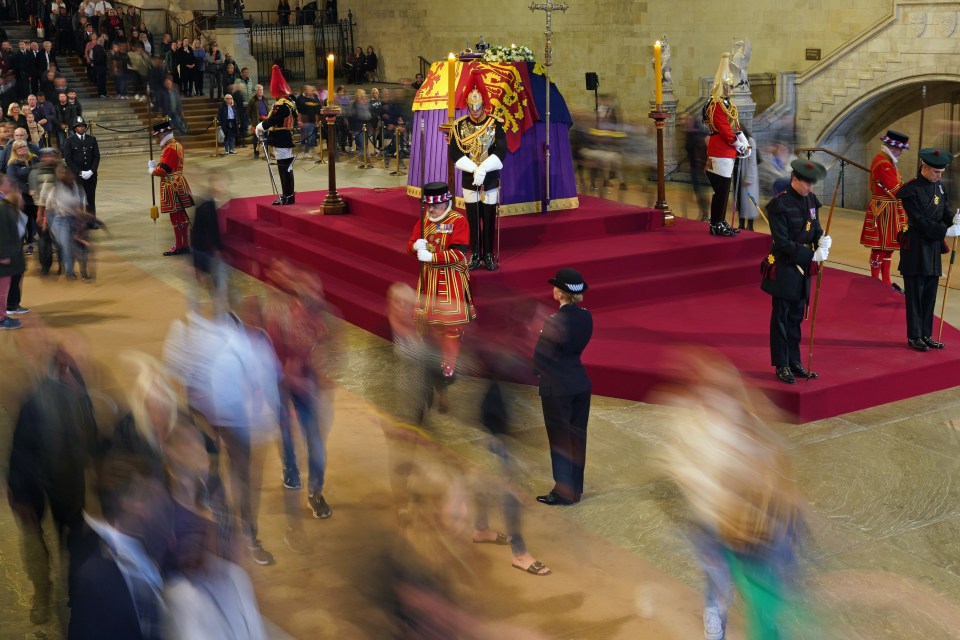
{"x":451,"y":86}
{"x":658,"y":73}
{"x":330,"y":80}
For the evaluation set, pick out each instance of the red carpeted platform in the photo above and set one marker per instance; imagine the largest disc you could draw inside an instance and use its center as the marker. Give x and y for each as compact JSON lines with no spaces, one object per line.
{"x":651,"y":288}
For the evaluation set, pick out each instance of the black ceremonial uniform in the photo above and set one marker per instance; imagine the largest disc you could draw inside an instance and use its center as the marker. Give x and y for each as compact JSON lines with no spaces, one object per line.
{"x":795,"y":227}
{"x":279,"y":129}
{"x":928,"y":217}
{"x":82,"y":153}
{"x":478,"y":141}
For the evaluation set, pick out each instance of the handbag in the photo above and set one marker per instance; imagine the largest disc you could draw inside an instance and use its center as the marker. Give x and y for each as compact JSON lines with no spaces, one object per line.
{"x":220,"y":136}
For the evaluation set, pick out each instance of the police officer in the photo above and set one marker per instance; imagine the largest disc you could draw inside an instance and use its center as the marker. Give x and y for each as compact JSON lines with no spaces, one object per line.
{"x":81,"y":153}
{"x":929,"y":221}
{"x":799,"y":247}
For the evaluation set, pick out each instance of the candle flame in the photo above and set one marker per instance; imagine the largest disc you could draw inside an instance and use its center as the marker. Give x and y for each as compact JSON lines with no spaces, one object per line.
{"x":330,"y":57}
{"x":657,"y":43}
{"x":451,"y":56}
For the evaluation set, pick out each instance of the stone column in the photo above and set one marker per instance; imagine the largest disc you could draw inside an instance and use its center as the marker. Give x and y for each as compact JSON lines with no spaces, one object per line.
{"x":746,"y":107}
{"x":233,"y":40}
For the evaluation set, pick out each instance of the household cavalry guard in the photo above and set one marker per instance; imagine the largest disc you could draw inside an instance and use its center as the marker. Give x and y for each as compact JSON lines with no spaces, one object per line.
{"x":278,"y":128}
{"x":885,"y":217}
{"x":477,"y":147}
{"x":175,"y":196}
{"x":726,"y":143}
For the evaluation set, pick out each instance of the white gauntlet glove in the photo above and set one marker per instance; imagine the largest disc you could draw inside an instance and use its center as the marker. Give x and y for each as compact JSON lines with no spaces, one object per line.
{"x":420,"y":245}
{"x":259,"y":130}
{"x":821,"y":254}
{"x":954,"y":231}
{"x":956,"y":218}
{"x":478,"y":177}
{"x":825,"y":243}
{"x":424,"y":256}
{"x":151,"y":165}
{"x":466,"y":164}
{"x":86,"y":175}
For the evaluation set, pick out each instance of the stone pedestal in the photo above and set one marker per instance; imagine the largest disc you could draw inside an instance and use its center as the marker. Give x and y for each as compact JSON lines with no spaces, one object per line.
{"x":233,"y":40}
{"x":746,"y":108}
{"x":669,"y":106}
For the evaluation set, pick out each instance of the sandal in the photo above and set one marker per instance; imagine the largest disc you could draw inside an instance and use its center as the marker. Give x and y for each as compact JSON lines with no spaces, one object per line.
{"x":536,"y":569}
{"x":502,"y":539}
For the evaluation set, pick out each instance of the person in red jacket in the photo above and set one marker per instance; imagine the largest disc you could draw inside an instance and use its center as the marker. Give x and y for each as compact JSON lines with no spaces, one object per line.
{"x":175,"y":195}
{"x":725,"y":145}
{"x":444,"y":300}
{"x":885,"y":216}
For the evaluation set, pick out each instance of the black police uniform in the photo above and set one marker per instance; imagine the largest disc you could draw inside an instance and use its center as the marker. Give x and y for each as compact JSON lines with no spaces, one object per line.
{"x":565,"y":395}
{"x":928,"y":217}
{"x":795,"y":227}
{"x":82,"y":153}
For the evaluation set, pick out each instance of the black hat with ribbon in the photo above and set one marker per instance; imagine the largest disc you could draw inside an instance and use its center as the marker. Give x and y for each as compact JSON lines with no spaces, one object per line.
{"x":569,"y":281}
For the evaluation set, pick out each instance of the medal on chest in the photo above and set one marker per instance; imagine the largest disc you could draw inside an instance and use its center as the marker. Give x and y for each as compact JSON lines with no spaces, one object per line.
{"x":936,"y":199}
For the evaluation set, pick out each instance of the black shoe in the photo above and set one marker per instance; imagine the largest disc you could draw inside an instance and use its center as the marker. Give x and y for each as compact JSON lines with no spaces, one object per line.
{"x":291,"y":199}
{"x":798,"y":371}
{"x":898,"y":289}
{"x":474,"y":262}
{"x":785,"y":375}
{"x":722,"y":230}
{"x":553,"y":500}
{"x":177,"y":252}
{"x":489,"y":263}
{"x":933,"y":344}
{"x":726,"y":225}
{"x":918,"y":344}
{"x":278,"y":201}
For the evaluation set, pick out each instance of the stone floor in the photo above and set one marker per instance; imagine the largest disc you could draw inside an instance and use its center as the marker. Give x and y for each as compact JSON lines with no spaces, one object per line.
{"x":883,"y":558}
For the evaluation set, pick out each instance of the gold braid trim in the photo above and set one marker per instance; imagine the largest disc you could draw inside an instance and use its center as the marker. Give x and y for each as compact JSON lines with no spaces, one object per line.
{"x":729,"y":109}
{"x":470,"y":144}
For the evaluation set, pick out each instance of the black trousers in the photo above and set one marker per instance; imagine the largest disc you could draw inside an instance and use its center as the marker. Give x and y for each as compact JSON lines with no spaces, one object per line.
{"x":721,"y":191}
{"x":785,"y":332}
{"x":13,"y":295}
{"x":286,"y":176}
{"x":566,"y":420}
{"x":921,"y":294}
{"x":483,"y":227}
{"x":90,"y":189}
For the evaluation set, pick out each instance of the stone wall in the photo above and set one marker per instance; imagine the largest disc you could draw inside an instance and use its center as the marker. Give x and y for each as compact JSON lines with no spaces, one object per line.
{"x":612,"y":37}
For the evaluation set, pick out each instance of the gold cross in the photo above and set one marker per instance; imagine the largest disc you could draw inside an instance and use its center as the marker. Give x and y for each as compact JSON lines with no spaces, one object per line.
{"x":549,"y":7}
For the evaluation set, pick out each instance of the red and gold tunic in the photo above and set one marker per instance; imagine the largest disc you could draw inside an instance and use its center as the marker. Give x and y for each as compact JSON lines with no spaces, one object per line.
{"x":174,"y":191}
{"x":721,"y":118}
{"x":443,"y":290}
{"x":885,"y":216}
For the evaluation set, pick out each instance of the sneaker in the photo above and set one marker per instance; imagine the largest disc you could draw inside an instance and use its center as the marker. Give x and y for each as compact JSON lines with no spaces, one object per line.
{"x":291,"y":478}
{"x":321,"y":510}
{"x":11,"y":323}
{"x":29,"y":250}
{"x":712,"y":625}
{"x":17,"y":311}
{"x":260,"y":555}
{"x":297,"y":542}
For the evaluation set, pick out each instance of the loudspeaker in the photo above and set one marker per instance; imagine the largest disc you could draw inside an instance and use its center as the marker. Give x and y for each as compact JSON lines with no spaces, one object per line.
{"x":593,"y":81}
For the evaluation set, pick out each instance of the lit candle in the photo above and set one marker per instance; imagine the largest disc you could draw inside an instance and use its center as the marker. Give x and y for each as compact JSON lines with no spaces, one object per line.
{"x":451,"y":86}
{"x":658,"y":73}
{"x":330,"y":80}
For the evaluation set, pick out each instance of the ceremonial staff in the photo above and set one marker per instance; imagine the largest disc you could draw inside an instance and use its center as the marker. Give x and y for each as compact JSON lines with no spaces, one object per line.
{"x":923,"y":109}
{"x":946,"y":286}
{"x":759,"y":210}
{"x":816,"y":299}
{"x":548,"y":7}
{"x":154,"y":212}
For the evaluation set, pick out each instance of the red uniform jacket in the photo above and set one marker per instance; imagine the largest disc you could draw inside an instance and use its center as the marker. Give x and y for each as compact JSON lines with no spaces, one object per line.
{"x":723,"y":130}
{"x":443,"y":290}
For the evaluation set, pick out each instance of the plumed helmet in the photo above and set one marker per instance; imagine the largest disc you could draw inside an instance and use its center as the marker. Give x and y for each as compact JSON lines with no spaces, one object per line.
{"x":278,"y":85}
{"x":723,"y":77}
{"x":475,"y":102}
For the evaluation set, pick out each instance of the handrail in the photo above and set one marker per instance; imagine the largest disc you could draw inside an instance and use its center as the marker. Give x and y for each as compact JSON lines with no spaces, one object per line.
{"x":424,"y":66}
{"x":811,"y":150}
{"x":843,"y":164}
